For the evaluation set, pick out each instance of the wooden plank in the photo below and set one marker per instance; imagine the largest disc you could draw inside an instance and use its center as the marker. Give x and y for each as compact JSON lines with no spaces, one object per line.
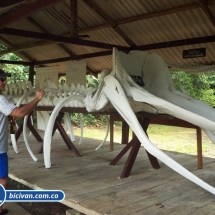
{"x":92,"y":185}
{"x":156,"y":202}
{"x":207,"y":209}
{"x":192,"y":204}
{"x":148,"y":184}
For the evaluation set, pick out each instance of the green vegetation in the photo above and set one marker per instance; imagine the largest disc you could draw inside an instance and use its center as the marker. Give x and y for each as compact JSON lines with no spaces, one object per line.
{"x":89,"y":120}
{"x":199,"y":86}
{"x":18,"y":72}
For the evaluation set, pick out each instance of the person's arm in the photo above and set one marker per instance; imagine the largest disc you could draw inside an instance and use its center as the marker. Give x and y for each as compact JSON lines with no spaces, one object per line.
{"x":24,"y":110}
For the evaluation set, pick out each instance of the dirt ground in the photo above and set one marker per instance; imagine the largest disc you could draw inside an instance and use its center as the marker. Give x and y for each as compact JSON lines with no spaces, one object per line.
{"x":38,"y":208}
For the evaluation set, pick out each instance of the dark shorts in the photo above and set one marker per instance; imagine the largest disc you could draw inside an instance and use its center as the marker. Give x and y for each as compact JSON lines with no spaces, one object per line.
{"x":3,"y":165}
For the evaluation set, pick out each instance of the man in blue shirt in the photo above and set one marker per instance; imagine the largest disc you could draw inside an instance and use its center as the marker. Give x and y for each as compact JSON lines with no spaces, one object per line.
{"x":8,"y":108}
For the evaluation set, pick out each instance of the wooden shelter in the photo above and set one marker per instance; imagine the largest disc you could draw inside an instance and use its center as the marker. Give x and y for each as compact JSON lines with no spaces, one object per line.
{"x":46,"y":33}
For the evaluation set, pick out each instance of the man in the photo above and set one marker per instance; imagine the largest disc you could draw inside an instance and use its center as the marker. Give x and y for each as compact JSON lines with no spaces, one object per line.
{"x":8,"y":108}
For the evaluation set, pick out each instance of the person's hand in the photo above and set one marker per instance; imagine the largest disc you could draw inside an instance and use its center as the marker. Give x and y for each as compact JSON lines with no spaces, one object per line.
{"x":39,"y":94}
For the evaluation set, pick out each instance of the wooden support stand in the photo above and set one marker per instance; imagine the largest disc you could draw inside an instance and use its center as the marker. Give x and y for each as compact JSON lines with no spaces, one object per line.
{"x":134,"y":144}
{"x":64,"y":135}
{"x":31,"y":128}
{"x":145,"y":119}
{"x":57,"y":125}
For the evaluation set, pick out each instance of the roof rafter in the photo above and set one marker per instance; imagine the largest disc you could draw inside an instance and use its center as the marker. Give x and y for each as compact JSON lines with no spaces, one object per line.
{"x":159,"y":13}
{"x":77,"y":57}
{"x":175,"y":43}
{"x":22,"y":53}
{"x":21,"y":48}
{"x":113,"y":24}
{"x":61,"y":46}
{"x":169,"y":44}
{"x":37,"y":35}
{"x":26,"y":11}
{"x":207,"y":11}
{"x":16,"y":62}
{"x":6,"y":3}
{"x":119,"y":22}
{"x":74,"y":17}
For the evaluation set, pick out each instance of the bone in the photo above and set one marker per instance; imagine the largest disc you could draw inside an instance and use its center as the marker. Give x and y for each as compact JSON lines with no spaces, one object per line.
{"x":113,"y":91}
{"x":26,"y":139}
{"x":69,"y":126}
{"x":48,"y":132}
{"x":116,"y":95}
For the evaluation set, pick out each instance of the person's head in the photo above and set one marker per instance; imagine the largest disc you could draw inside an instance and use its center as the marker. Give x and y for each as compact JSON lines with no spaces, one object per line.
{"x":3,"y":79}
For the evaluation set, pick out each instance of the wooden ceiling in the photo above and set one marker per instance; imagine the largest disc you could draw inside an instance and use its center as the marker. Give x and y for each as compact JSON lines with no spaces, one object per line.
{"x":96,"y":30}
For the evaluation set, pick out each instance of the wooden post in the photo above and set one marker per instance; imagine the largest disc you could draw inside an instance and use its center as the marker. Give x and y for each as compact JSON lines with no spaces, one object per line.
{"x":74,"y":13}
{"x":125,"y":132}
{"x":199,"y":147}
{"x":111,"y":132}
{"x":31,"y":74}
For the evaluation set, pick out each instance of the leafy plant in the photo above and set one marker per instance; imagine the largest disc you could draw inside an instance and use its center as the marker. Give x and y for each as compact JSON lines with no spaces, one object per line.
{"x":89,"y":120}
{"x":18,"y":72}
{"x":92,"y":81}
{"x":197,"y":85}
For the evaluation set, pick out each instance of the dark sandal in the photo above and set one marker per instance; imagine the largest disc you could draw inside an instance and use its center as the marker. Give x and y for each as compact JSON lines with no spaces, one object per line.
{"x":4,"y":211}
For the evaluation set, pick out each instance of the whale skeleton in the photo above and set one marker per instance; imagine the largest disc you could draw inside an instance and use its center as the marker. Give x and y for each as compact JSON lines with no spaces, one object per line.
{"x":46,"y":101}
{"x":54,"y":95}
{"x":116,"y":87}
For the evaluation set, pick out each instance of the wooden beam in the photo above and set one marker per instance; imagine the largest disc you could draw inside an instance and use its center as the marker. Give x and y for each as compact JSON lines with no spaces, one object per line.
{"x":207,"y":11}
{"x":169,"y":44}
{"x":77,"y":57}
{"x":94,"y":28}
{"x":159,"y":13}
{"x":37,"y":35}
{"x":119,"y":22}
{"x":108,"y":19}
{"x":31,"y":74}
{"x":16,"y":62}
{"x":29,"y":58}
{"x":6,"y":3}
{"x":74,"y":19}
{"x":150,"y":15}
{"x":176,"y":43}
{"x":61,"y":46}
{"x":36,"y":24}
{"x":26,"y":11}
{"x":28,"y":46}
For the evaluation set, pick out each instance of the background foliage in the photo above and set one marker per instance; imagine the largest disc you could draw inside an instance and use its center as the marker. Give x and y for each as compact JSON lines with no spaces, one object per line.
{"x":199,"y":86}
{"x":18,"y":72}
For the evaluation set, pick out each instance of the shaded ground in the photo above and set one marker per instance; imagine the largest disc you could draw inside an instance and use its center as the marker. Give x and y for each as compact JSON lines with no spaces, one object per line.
{"x":38,"y":208}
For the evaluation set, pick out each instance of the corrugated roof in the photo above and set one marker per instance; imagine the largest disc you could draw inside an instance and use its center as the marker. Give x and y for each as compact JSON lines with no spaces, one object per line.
{"x":119,"y":22}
